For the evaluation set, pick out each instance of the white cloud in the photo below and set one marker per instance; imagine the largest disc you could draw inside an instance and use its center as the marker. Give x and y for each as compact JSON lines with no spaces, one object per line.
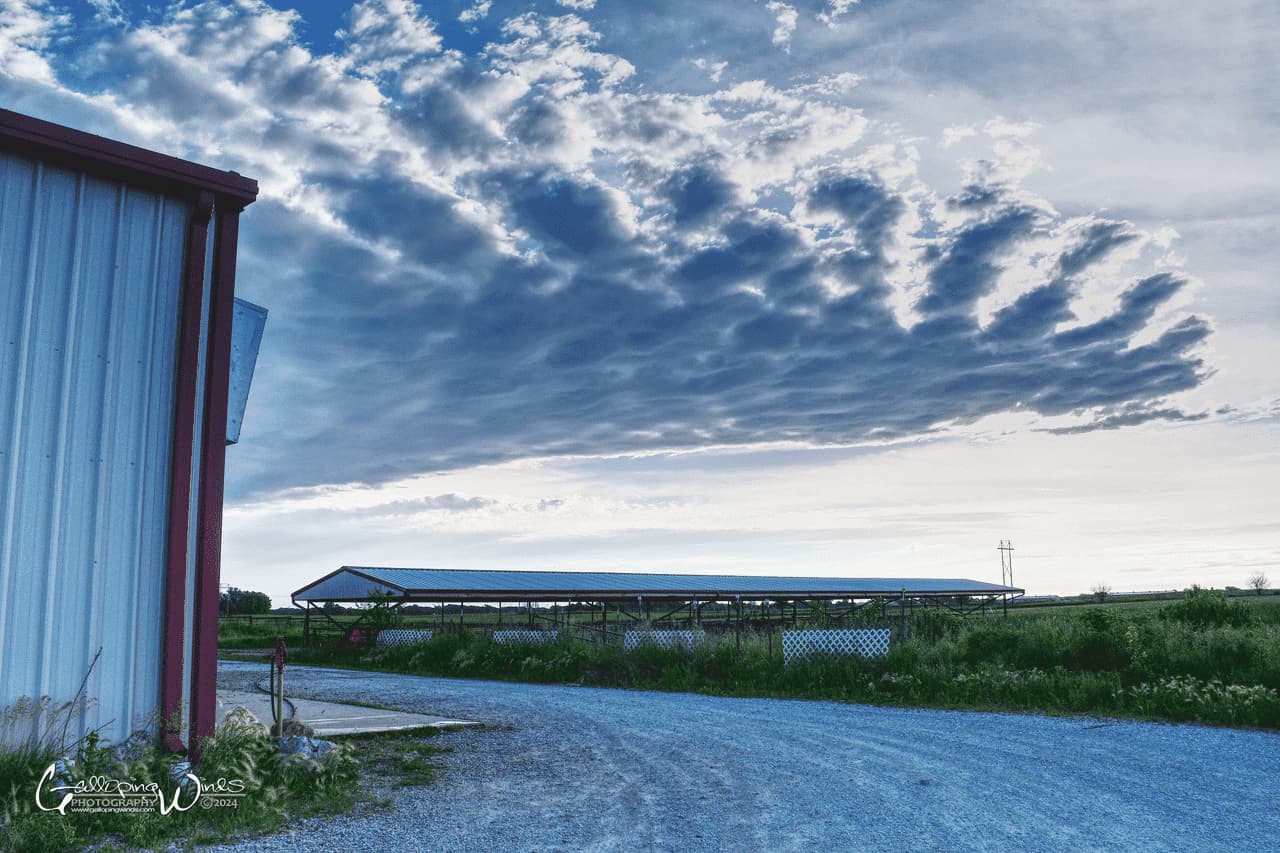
{"x":580,"y":5}
{"x":785,"y":18}
{"x":956,"y":133}
{"x":27,"y":27}
{"x":715,"y":70}
{"x":387,"y":35}
{"x":109,"y":11}
{"x":476,"y":12}
{"x":836,"y":9}
{"x":1001,"y":128}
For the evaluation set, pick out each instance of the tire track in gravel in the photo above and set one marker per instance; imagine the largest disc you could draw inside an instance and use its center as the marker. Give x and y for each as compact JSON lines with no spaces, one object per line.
{"x":575,"y":768}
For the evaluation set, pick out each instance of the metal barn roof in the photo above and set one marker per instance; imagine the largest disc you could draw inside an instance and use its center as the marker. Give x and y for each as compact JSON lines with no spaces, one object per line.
{"x":356,"y":583}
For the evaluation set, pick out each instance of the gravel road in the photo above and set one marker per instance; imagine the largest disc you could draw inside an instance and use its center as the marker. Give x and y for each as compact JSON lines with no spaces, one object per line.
{"x":574,"y":768}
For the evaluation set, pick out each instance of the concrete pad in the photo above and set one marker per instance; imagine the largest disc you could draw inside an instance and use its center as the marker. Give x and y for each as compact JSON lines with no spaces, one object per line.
{"x":333,"y":718}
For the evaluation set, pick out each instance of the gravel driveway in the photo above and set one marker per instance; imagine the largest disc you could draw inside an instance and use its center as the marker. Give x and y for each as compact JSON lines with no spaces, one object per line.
{"x":571,"y":768}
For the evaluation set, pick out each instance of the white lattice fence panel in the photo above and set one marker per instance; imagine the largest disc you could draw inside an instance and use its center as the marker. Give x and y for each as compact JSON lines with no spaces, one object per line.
{"x":662,"y":639}
{"x":508,"y":638}
{"x":865,"y":642}
{"x":403,"y":636}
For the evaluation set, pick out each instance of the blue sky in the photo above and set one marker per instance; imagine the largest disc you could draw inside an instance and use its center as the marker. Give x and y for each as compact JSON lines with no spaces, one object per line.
{"x":834,"y":287}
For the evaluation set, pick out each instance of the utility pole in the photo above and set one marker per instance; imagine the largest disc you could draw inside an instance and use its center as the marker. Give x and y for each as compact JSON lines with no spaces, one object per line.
{"x":1006,"y":567}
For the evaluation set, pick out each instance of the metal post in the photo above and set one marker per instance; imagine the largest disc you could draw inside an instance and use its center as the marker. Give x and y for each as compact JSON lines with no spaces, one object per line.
{"x":306,"y":626}
{"x":180,"y":492}
{"x":737,"y":631}
{"x":204,"y":648}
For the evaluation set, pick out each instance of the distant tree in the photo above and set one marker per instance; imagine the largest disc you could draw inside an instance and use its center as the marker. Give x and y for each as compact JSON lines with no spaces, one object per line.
{"x":1101,"y":591}
{"x":1259,"y":582}
{"x":236,"y":602}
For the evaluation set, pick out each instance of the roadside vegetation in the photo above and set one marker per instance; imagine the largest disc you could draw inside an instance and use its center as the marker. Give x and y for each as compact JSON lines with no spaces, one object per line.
{"x":1204,"y":658}
{"x":278,"y":788}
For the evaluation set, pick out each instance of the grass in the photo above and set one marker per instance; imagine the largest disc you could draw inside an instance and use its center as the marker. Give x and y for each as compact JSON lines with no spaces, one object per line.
{"x":401,"y":759}
{"x":1205,"y":658}
{"x":261,"y":633}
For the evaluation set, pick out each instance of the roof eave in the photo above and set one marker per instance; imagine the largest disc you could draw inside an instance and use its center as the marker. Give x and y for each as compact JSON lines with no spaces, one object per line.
{"x":119,"y":159}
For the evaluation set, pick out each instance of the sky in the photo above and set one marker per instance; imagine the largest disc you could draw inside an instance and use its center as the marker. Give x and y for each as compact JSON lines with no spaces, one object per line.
{"x":845,"y":288}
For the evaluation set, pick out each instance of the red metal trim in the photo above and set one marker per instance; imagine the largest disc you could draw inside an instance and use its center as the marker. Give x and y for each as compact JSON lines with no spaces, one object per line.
{"x":184,"y":427}
{"x":120,"y":161}
{"x":204,"y":656}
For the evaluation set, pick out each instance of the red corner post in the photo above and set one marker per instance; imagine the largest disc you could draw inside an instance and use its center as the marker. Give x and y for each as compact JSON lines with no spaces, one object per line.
{"x":184,"y":427}
{"x":204,"y":671}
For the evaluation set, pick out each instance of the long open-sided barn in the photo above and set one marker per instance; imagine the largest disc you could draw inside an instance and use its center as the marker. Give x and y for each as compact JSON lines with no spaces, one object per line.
{"x":640,"y":596}
{"x":117,"y":279}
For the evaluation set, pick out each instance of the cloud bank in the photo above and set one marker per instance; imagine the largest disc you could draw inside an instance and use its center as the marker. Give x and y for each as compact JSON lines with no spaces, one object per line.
{"x":480,"y":253}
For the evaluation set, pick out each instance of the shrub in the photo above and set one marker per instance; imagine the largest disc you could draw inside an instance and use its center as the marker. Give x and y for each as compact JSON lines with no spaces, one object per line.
{"x":990,"y":641}
{"x":936,"y":623}
{"x":1208,"y":608}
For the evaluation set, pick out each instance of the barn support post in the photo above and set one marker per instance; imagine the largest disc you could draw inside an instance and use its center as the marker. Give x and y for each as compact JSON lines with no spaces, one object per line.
{"x":306,"y":626}
{"x":737,"y":630}
{"x":181,"y":486}
{"x":204,"y":650}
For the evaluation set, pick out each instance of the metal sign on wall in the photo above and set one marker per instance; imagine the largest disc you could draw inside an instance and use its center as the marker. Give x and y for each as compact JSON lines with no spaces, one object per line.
{"x":246,"y":337}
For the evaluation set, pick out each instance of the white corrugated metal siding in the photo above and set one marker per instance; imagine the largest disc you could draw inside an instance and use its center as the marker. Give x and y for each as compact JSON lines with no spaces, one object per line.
{"x":90,"y":285}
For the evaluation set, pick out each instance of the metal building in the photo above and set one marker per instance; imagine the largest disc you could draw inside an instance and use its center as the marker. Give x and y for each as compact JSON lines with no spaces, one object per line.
{"x":641,"y":596}
{"x":117,"y":270}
